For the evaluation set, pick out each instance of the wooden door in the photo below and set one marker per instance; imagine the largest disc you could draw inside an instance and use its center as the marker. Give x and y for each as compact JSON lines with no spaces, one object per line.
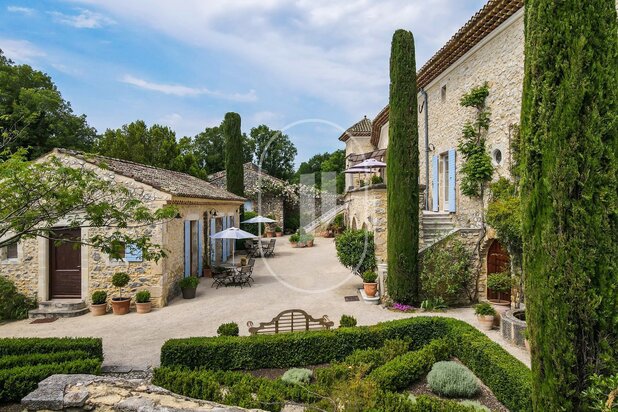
{"x":65,"y":274}
{"x":498,"y":260}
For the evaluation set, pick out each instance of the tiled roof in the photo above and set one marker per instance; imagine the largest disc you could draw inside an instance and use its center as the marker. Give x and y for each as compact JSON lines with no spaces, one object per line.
{"x":168,"y":181}
{"x":360,"y":128}
{"x":250,"y":168}
{"x":486,"y":20}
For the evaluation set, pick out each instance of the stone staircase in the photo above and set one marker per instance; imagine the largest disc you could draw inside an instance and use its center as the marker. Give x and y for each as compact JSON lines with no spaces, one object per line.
{"x":435,"y":225}
{"x":324,"y":218}
{"x":65,"y":308}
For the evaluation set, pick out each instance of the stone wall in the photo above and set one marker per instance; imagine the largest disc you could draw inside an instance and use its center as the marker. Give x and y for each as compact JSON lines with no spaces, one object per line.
{"x":367,"y":206}
{"x":24,"y":270}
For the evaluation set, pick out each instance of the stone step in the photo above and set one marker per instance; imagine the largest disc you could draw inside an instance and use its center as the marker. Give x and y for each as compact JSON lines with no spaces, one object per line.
{"x":63,"y":304}
{"x":59,"y":309}
{"x":437,"y":225}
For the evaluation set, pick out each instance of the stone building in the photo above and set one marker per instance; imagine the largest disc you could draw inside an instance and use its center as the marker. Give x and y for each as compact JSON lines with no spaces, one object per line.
{"x":263,"y":191}
{"x":52,"y":272}
{"x":488,"y":48}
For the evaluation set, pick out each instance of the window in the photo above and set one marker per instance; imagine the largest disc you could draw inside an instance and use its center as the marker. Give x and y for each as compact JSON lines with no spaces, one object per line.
{"x":497,"y":156}
{"x":443,"y":93}
{"x":11,"y":251}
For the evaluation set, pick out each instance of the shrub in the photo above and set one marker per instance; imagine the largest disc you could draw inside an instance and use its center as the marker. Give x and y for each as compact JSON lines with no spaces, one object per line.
{"x":394,"y":402}
{"x":190,"y":282}
{"x":99,"y":297}
{"x":13,"y":361}
{"x":500,"y":282}
{"x":347,"y":321}
{"x":356,"y":250}
{"x":120,"y":280}
{"x":434,"y":304}
{"x":374,"y":358}
{"x":405,"y":369}
{"x":370,"y":276}
{"x":376,"y":180}
{"x":278,"y":229}
{"x":228,"y":329}
{"x":476,"y":405}
{"x":452,"y":380}
{"x":295,"y":238}
{"x":297,"y":376}
{"x":143,"y":296}
{"x":13,"y":305}
{"x":446,"y":272}
{"x":602,"y":393}
{"x":23,"y":346}
{"x":252,"y":227}
{"x":484,"y":309}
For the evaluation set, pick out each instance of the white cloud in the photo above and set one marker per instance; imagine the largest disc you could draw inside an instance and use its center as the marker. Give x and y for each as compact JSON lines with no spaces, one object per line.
{"x":23,"y":10}
{"x":267,"y":117}
{"x":180,"y":90}
{"x":20,"y":51}
{"x":85,"y":19}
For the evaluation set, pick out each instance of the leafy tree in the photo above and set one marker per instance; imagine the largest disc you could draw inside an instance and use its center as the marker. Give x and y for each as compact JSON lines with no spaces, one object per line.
{"x":324,"y":162}
{"x":233,"y":154}
{"x":34,"y":115}
{"x":569,"y":197}
{"x":209,"y":149}
{"x":274,"y":152}
{"x":36,"y":196}
{"x":402,"y":173}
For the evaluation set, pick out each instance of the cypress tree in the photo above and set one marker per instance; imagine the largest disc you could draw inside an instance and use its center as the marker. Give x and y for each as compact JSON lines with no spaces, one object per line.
{"x":233,"y":154}
{"x":402,"y":172}
{"x":569,"y":196}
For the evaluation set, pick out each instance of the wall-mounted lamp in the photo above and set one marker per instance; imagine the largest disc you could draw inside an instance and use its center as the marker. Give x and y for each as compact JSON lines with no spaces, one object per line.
{"x":177,"y":216}
{"x":431,"y":147}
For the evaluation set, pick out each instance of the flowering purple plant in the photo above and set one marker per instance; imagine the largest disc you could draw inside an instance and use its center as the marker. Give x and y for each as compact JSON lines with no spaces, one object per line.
{"x":402,"y":307}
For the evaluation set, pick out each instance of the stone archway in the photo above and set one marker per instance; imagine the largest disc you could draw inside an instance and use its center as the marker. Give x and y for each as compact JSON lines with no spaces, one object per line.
{"x":364,"y":227}
{"x":497,"y":261}
{"x":353,"y":223}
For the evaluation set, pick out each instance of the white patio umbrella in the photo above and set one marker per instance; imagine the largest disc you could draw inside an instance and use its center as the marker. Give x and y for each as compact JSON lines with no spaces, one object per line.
{"x":358,"y":170}
{"x":371,"y":164}
{"x":259,"y":219}
{"x":233,"y":233}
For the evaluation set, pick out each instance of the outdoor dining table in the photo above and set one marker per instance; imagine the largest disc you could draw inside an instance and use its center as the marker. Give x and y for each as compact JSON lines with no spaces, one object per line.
{"x":231,"y":270}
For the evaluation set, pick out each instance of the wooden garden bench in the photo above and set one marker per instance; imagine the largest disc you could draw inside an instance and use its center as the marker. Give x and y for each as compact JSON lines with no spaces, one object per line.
{"x":291,"y":320}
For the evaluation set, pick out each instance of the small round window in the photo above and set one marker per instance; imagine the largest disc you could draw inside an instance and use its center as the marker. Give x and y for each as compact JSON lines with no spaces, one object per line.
{"x":497,"y":155}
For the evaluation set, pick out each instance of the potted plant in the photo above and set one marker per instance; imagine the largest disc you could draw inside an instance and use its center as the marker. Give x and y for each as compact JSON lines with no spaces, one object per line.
{"x":369,"y":283}
{"x":500,"y":283}
{"x":99,"y":303}
{"x":294,"y":239}
{"x":120,"y":304}
{"x":142,"y":301}
{"x":485,"y":314}
{"x":188,"y":286}
{"x":309,"y":240}
{"x":207,"y":270}
{"x":278,"y":231}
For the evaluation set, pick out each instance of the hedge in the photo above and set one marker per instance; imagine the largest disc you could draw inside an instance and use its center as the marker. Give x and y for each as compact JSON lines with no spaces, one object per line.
{"x":393,"y":402}
{"x":406,"y":369}
{"x":22,"y":346}
{"x":13,"y":361}
{"x":15,"y":383}
{"x":296,"y":349}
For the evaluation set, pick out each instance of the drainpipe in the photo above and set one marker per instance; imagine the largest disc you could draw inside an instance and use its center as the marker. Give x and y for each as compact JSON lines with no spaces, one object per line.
{"x":426,"y":108}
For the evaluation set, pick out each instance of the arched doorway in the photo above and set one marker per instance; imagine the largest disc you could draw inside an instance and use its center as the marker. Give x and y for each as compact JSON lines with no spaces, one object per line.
{"x":498,"y":260}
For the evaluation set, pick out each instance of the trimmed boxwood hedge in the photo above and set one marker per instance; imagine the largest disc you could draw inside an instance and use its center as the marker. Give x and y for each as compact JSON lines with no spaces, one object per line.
{"x":295,"y":349}
{"x":13,"y":361}
{"x":23,"y":346}
{"x":508,"y":378}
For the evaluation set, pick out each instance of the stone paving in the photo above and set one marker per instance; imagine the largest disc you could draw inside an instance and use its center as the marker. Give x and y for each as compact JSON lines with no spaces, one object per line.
{"x":310,"y":279}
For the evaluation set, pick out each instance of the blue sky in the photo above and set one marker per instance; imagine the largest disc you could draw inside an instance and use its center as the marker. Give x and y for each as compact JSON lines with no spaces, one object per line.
{"x":311,"y":67}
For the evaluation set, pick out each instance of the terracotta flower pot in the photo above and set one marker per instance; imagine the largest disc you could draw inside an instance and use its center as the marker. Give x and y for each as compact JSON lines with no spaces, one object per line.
{"x":310,"y":243}
{"x":120,"y":306}
{"x":486,"y":321}
{"x":207,"y":272}
{"x":98,"y":310}
{"x":143,"y":307}
{"x":278,"y":234}
{"x":370,"y":289}
{"x":294,"y":244}
{"x":188,"y":293}
{"x":270,"y":234}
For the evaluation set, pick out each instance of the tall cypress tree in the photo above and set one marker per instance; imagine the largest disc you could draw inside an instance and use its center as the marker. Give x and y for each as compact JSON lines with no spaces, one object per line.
{"x":233,"y":153}
{"x":402,"y":172}
{"x":569,"y":196}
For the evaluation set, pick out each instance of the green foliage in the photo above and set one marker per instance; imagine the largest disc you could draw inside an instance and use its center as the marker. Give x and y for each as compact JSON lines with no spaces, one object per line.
{"x":143,"y":296}
{"x":25,"y":346}
{"x":347,"y":321}
{"x":402,"y":172}
{"x":569,"y":196}
{"x":452,"y":380}
{"x":446,"y":272}
{"x":99,"y":297}
{"x":476,"y":170}
{"x":34,"y":115}
{"x":252,"y":227}
{"x":294,"y":238}
{"x":120,"y":279}
{"x":602,"y":393}
{"x":406,"y":369}
{"x":297,"y":376}
{"x":234,"y":170}
{"x":484,"y":309}
{"x":504,"y":214}
{"x":228,"y":329}
{"x":376,"y":180}
{"x":208,"y":147}
{"x":190,"y":282}
{"x":338,"y":223}
{"x":500,"y":282}
{"x":373,"y":358}
{"x":435,"y":304}
{"x":356,"y":250}
{"x":369,"y":276}
{"x":61,"y":190}
{"x":154,"y":146}
{"x":274,"y":151}
{"x":13,"y":361}
{"x":476,"y":405}
{"x":393,"y":402}
{"x":13,"y":305}
{"x":278,"y":229}
{"x":324,"y":162}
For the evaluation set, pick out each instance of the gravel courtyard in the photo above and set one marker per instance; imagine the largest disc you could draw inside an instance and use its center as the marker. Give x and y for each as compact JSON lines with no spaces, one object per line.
{"x":311,"y":279}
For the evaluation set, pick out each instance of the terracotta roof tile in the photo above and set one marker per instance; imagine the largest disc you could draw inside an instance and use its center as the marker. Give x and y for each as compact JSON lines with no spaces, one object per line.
{"x":360,"y":128}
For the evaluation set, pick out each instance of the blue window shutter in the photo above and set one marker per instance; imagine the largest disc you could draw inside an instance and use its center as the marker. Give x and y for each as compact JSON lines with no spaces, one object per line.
{"x":452,"y":201}
{"x":223,"y":241}
{"x":200,"y":246}
{"x":213,"y":242}
{"x":436,"y":184}
{"x":132,"y":253}
{"x":187,"y":248}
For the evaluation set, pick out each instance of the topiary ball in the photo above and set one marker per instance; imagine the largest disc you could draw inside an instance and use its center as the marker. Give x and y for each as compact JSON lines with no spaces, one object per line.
{"x":228,"y":329}
{"x":452,"y":380}
{"x":347,"y":321}
{"x":297,"y":376}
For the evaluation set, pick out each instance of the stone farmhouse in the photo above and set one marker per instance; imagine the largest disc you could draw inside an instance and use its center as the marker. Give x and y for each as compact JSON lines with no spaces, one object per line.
{"x":260,"y":200}
{"x":48,"y":271}
{"x":488,"y":48}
